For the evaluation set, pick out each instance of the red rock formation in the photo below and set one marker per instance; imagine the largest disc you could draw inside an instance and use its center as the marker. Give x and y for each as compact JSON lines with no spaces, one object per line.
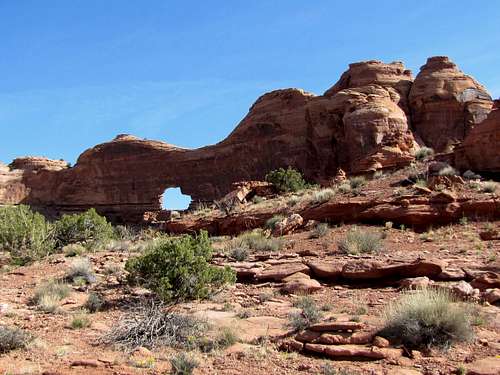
{"x":446,"y":103}
{"x":480,"y":151}
{"x":360,"y":125}
{"x":12,"y":189}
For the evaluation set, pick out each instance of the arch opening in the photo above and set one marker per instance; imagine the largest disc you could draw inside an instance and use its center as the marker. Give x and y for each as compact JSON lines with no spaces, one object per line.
{"x":172,"y":199}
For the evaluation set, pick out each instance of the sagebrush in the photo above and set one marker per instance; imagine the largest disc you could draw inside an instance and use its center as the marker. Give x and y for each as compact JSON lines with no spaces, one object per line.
{"x":286,"y":180}
{"x":427,"y":318}
{"x":358,"y":241}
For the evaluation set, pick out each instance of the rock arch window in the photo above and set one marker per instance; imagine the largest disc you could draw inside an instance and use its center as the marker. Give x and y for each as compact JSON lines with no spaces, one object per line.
{"x":173,"y":199}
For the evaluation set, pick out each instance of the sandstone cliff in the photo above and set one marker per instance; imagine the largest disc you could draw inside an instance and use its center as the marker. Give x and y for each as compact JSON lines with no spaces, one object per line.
{"x":362,"y":124}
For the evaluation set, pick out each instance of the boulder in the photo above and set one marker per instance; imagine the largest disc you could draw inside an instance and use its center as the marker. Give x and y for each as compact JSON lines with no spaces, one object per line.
{"x":487,"y":280}
{"x":325,"y":270}
{"x":301,"y":286}
{"x":288,"y":225}
{"x":491,"y":295}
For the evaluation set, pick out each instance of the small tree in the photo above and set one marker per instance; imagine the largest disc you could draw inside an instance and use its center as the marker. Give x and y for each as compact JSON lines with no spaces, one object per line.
{"x":179,"y":269}
{"x":88,"y":228}
{"x":25,"y":234}
{"x":286,"y":180}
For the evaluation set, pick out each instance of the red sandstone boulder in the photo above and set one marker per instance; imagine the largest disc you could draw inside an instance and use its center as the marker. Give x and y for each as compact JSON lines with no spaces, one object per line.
{"x":446,"y":103}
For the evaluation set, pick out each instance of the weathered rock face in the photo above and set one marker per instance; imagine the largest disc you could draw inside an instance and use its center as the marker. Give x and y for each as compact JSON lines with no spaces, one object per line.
{"x":393,"y":75}
{"x":446,"y":103}
{"x":480,"y":149}
{"x":360,"y":125}
{"x":12,"y":189}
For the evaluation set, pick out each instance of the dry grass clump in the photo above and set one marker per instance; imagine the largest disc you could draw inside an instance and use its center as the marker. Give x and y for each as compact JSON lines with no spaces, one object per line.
{"x":448,"y":171}
{"x":81,"y":270}
{"x":73,"y":250}
{"x":257,"y":241}
{"x":353,"y":185}
{"x":239,"y":253}
{"x":80,"y":320}
{"x":322,"y":196}
{"x":489,"y":187}
{"x":48,"y":295}
{"x":94,"y":302}
{"x":152,"y":325}
{"x":320,"y":230}
{"x":427,"y":318}
{"x":358,"y":241}
{"x":12,"y":338}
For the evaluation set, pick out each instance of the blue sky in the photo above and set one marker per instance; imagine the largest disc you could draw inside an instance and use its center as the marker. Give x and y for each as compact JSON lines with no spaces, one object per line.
{"x":76,"y":73}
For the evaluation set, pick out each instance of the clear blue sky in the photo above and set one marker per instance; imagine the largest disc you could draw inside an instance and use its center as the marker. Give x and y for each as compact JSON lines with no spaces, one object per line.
{"x":76,"y":73}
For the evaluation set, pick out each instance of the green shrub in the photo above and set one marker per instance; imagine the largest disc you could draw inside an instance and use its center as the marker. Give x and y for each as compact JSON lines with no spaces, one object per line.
{"x":358,"y":241}
{"x":88,"y":228}
{"x":183,"y":364}
{"x":25,"y":234}
{"x":427,"y":318}
{"x":179,"y":269}
{"x":13,"y":338}
{"x":286,"y":180}
{"x":309,"y":315}
{"x":424,"y":153}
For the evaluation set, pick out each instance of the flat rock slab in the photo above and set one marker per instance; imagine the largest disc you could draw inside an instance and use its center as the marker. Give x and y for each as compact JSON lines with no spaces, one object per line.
{"x":353,"y":351}
{"x":485,"y":366}
{"x":367,"y":270}
{"x":279,"y":272}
